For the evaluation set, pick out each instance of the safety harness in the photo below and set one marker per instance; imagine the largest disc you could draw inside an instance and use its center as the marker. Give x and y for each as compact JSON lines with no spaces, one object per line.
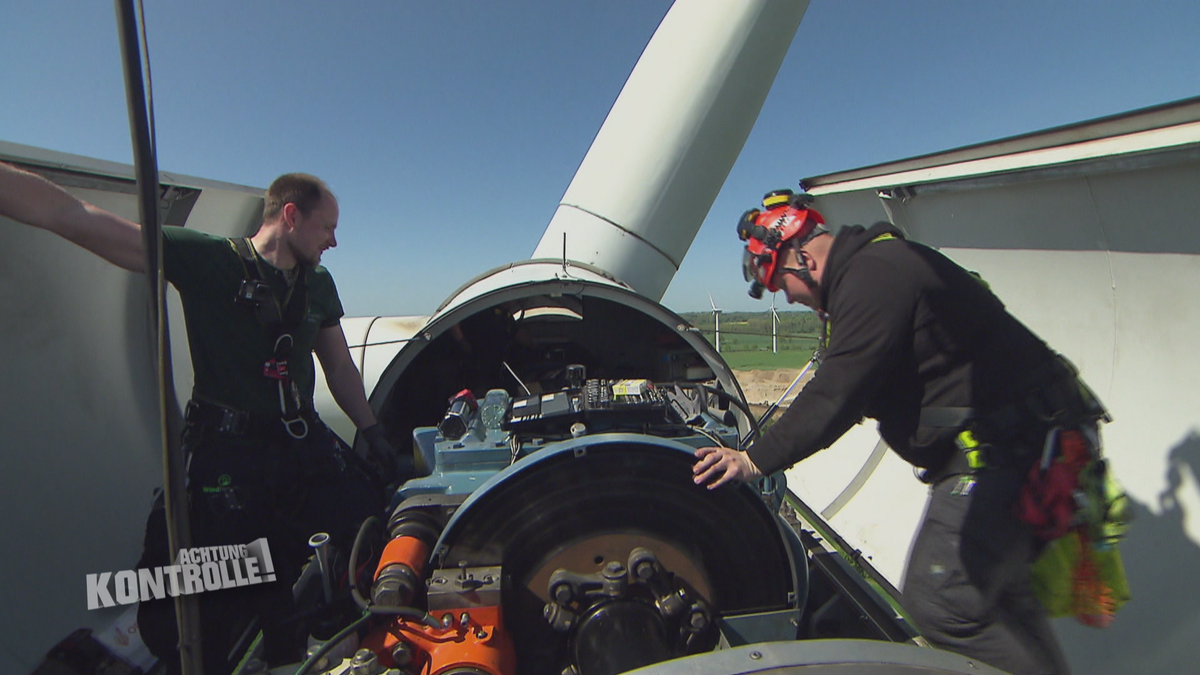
{"x":1070,"y":498}
{"x":281,"y":319}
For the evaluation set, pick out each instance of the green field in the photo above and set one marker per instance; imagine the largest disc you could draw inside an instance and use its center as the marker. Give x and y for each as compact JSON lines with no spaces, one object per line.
{"x":746,"y":338}
{"x":759,"y":360}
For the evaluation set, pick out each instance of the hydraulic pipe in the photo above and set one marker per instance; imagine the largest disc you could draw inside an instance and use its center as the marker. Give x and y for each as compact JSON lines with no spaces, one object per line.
{"x":320,"y":546}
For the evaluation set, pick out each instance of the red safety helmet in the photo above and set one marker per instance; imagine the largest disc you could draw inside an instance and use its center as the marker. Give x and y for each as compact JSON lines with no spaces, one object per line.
{"x":784,"y":220}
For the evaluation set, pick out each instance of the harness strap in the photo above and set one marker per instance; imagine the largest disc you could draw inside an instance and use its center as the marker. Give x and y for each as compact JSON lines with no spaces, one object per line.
{"x":232,"y":421}
{"x":283,"y":319}
{"x":946,"y":416}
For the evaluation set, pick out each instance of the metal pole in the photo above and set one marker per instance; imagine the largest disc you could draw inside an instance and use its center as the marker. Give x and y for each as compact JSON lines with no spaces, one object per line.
{"x":774,"y":327}
{"x":145,"y":165}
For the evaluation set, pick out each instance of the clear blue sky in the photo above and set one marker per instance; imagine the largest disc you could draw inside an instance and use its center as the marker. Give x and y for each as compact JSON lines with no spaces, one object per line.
{"x":450,"y":129}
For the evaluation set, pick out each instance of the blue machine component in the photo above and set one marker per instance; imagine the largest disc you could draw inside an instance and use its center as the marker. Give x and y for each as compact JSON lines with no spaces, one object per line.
{"x":579,"y":505}
{"x":504,"y":429}
{"x":456,"y":466}
{"x":605,"y":538}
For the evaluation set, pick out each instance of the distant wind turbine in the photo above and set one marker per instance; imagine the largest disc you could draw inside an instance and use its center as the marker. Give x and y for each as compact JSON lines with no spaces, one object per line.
{"x":774,"y":327}
{"x":716,"y":324}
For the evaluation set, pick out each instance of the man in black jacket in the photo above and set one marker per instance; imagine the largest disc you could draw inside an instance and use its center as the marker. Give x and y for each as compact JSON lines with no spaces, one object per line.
{"x":924,"y":347}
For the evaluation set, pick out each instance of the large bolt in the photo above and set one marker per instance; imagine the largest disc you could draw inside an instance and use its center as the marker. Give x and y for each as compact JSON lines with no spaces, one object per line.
{"x":560,"y":618}
{"x":643,"y":563}
{"x":614,"y":570}
{"x":365,"y":663}
{"x":645,"y":570}
{"x":402,"y":654}
{"x":673,"y":604}
{"x":395,"y":587}
{"x":615,"y":580}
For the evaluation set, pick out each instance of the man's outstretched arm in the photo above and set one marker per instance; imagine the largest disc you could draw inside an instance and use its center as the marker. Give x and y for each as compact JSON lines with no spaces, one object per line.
{"x":28,"y":198}
{"x":342,"y":376}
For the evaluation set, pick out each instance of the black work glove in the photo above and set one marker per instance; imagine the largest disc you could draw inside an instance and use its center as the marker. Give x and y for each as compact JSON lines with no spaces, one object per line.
{"x":382,"y":455}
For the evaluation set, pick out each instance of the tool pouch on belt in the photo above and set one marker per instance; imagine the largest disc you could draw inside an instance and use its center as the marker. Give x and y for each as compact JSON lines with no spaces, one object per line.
{"x":1072,"y":502}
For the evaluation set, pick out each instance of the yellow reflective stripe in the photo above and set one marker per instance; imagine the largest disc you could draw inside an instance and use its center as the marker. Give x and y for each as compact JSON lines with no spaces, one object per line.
{"x":967,"y":443}
{"x":975,"y":459}
{"x":883,"y":237}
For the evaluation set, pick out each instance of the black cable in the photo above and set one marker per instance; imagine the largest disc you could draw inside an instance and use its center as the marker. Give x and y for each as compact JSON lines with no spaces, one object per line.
{"x":407,"y":612}
{"x":141,"y":12}
{"x":385,"y":342}
{"x":732,"y":399}
{"x":358,"y":539}
{"x":331,"y":643}
{"x":131,"y":24}
{"x":366,"y":605}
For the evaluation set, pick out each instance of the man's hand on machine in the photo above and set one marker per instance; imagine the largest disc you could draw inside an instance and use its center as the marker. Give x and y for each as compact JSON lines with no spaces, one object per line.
{"x":382,"y":454}
{"x":717,"y":466}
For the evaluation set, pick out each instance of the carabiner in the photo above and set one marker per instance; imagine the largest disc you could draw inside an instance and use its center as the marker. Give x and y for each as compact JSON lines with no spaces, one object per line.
{"x":303,"y":433}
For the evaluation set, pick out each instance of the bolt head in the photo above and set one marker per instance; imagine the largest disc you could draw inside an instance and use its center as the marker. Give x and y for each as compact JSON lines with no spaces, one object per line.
{"x":614,"y":570}
{"x":645,"y":570}
{"x":402,"y":654}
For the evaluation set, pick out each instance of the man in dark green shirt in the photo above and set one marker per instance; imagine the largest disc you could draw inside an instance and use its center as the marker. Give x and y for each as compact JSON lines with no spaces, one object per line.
{"x":260,"y":462}
{"x":228,"y":355}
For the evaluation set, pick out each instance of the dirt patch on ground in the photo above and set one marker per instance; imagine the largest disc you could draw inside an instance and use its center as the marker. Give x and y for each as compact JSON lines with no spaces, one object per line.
{"x":764,"y":387}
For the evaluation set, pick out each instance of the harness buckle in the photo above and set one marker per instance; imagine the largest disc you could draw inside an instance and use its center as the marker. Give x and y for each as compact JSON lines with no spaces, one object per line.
{"x":233,"y":422}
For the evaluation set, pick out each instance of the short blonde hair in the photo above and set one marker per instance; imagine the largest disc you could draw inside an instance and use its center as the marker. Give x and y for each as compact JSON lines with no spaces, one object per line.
{"x":301,"y":189}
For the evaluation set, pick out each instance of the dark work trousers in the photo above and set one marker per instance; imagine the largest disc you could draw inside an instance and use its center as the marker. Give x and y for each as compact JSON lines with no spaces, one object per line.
{"x":242,"y":488}
{"x":968,"y":581}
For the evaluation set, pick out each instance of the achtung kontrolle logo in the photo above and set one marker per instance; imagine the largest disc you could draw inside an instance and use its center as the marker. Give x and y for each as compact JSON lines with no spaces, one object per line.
{"x":207,"y":568}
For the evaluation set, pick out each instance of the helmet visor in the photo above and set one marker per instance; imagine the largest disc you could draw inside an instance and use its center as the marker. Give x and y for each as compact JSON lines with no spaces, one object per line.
{"x":760,"y":267}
